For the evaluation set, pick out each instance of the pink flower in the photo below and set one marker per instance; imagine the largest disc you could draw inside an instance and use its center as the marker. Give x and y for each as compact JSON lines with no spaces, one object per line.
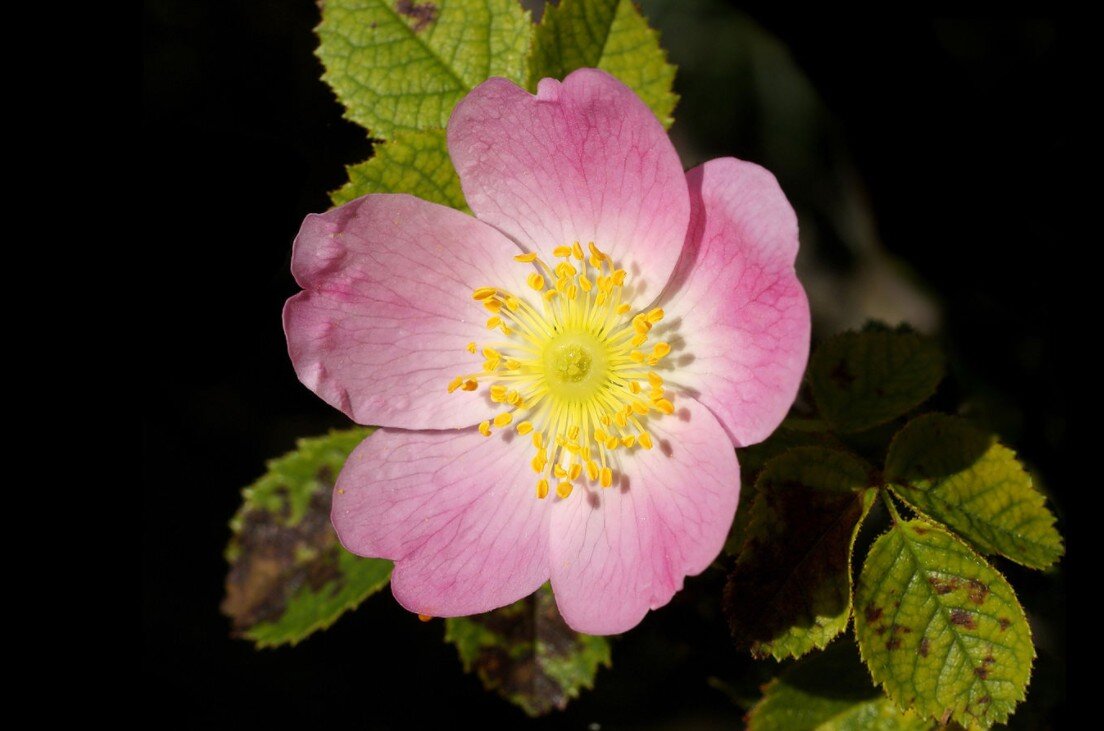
{"x":561,"y":380}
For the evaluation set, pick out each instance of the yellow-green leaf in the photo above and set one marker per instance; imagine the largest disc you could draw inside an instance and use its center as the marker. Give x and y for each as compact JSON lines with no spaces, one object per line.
{"x":952,"y":471}
{"x":790,"y":589}
{"x":289,"y":576}
{"x":829,"y":691}
{"x":610,"y":35}
{"x":413,"y":162}
{"x":941,"y":629}
{"x":863,"y":379}
{"x":527,"y":654}
{"x":403,"y":64}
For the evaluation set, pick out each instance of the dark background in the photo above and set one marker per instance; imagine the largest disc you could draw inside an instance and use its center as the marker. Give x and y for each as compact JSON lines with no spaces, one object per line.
{"x":957,"y":128}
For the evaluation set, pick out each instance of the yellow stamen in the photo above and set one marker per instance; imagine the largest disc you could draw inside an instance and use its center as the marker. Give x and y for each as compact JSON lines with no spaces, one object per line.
{"x":575,"y":355}
{"x":483,"y":293}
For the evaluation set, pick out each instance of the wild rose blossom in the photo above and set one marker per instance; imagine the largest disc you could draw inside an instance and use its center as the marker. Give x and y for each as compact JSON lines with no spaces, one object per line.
{"x":559,"y":381}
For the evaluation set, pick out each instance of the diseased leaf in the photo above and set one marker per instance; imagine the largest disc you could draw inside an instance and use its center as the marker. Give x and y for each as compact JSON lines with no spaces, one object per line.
{"x":610,"y":35}
{"x":792,"y":433}
{"x":527,"y":653}
{"x":863,"y":379}
{"x":403,"y":64}
{"x":289,"y":576}
{"x":790,"y":590}
{"x":829,"y":691}
{"x":958,"y":474}
{"x":940,"y":629}
{"x":417,"y":163}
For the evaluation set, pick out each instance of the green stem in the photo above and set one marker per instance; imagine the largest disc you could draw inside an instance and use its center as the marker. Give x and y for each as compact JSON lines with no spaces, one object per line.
{"x":890,"y":505}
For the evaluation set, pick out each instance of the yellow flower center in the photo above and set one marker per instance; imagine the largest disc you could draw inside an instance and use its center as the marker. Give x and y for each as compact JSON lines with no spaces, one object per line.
{"x":575,"y":372}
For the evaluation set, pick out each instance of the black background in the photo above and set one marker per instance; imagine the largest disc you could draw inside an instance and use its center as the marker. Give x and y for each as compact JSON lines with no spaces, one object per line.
{"x":960,"y":143}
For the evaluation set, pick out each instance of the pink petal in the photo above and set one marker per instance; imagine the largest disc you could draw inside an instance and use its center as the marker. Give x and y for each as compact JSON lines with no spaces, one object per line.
{"x":583,"y":160}
{"x":736,"y":312}
{"x":456,"y":511}
{"x":387,"y":311}
{"x":618,"y":552}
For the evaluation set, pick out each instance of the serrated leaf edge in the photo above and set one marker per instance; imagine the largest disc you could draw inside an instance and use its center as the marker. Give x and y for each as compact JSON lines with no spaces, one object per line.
{"x":1034,"y":654}
{"x":892,"y":487}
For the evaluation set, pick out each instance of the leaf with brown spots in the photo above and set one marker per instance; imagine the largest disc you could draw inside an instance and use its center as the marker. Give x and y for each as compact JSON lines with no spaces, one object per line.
{"x":862,"y":379}
{"x":949,"y":637}
{"x":527,"y":654}
{"x":790,"y":589}
{"x":289,"y":576}
{"x":960,"y":475}
{"x":792,"y":434}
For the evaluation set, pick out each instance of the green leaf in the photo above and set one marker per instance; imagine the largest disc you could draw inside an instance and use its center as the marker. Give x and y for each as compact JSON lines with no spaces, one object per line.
{"x":863,"y":379}
{"x":790,"y":590}
{"x":403,"y":64}
{"x":417,"y":163}
{"x":829,"y":691}
{"x":610,"y":35}
{"x":792,"y":433}
{"x":940,"y":629}
{"x":960,"y":475}
{"x":527,"y":653}
{"x":289,"y":577}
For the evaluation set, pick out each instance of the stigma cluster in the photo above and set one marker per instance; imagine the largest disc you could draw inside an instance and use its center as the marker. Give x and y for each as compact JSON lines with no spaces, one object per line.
{"x":572,"y":367}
